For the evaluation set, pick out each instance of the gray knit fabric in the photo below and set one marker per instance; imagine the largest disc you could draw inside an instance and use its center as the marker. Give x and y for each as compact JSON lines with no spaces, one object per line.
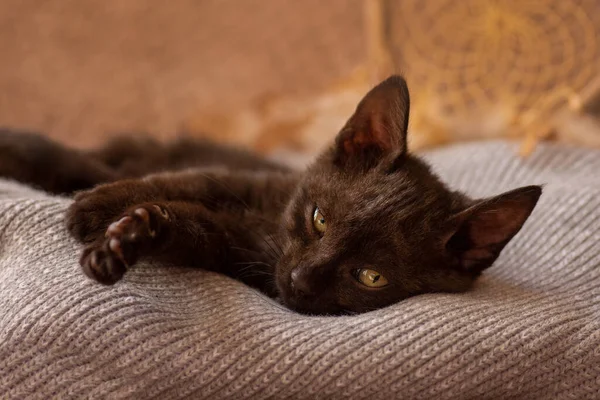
{"x":529,"y":330}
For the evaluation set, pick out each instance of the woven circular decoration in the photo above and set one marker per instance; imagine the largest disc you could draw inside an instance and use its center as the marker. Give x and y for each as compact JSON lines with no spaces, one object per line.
{"x":528,"y":56}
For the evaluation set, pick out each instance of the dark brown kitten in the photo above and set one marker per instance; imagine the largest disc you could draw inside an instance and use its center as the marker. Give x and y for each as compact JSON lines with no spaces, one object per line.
{"x":365,"y":226}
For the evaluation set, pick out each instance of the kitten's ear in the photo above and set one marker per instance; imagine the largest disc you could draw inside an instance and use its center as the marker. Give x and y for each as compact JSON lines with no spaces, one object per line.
{"x":478,"y":234}
{"x":377,"y":130}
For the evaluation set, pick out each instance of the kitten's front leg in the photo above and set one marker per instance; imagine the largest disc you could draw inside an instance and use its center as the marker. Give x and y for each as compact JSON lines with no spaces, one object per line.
{"x":176,"y":233}
{"x":215,"y":222}
{"x":95,"y":209}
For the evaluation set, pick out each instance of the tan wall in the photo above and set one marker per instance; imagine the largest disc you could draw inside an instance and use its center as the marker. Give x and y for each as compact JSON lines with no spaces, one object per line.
{"x":275,"y":74}
{"x":80,"y":69}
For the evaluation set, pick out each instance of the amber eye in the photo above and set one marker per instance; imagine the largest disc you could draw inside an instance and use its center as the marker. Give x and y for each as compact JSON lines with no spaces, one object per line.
{"x":370,"y":278}
{"x":319,"y":221}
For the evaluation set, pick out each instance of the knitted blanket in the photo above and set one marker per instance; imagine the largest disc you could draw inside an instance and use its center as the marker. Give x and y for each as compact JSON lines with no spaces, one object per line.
{"x":530,"y":329}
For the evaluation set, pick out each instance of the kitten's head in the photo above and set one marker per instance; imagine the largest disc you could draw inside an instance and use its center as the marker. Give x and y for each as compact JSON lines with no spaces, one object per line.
{"x":370,"y":224}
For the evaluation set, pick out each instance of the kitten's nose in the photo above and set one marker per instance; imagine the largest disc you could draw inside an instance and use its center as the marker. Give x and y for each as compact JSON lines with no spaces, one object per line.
{"x":300,"y":282}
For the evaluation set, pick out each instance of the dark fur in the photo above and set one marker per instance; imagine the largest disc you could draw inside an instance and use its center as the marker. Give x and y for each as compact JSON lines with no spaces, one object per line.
{"x":251,"y":219}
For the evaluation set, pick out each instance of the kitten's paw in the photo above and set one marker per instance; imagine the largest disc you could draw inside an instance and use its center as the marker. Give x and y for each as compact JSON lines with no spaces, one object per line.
{"x":101,"y":264}
{"x":93,"y":210}
{"x":126,"y":240}
{"x":90,"y":214}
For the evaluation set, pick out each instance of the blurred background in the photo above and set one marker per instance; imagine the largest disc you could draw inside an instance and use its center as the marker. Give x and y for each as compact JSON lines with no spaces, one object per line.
{"x":282,"y":76}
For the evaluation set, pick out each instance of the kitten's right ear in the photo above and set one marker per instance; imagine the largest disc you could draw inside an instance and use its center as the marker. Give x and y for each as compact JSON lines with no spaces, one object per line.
{"x":477,"y":235}
{"x":377,"y":130}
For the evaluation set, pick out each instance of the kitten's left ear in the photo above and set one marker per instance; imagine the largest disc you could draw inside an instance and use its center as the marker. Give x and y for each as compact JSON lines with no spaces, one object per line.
{"x":377,"y":130}
{"x":478,"y":234}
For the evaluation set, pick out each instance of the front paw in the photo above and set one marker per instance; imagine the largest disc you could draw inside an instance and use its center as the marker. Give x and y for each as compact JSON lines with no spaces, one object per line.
{"x":89,"y":215}
{"x":134,"y":235}
{"x":93,"y":210}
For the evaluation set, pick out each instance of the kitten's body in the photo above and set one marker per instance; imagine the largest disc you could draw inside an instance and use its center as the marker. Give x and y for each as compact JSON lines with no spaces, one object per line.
{"x":255,"y":220}
{"x":35,"y":160}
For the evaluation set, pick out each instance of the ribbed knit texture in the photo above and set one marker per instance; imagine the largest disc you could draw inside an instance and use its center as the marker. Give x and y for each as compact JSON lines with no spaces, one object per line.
{"x":529,"y":330}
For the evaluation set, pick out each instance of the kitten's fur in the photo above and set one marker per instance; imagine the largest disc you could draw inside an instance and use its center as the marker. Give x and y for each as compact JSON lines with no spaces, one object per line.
{"x":253,"y":220}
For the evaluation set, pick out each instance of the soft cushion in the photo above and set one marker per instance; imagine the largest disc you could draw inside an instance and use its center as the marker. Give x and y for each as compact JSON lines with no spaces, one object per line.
{"x":530,"y":329}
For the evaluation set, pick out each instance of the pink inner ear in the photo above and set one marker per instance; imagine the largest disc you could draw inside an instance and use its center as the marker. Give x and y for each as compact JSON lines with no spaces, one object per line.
{"x":358,"y":142}
{"x":497,"y":225}
{"x":376,"y":136}
{"x":381,"y":132}
{"x":479,"y":233}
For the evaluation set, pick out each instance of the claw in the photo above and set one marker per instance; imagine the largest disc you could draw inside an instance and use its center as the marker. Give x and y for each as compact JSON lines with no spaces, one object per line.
{"x":93,"y":260}
{"x":115,"y":246}
{"x":143,"y":214}
{"x":125,"y":238}
{"x":162,"y":212}
{"x":116,"y":228}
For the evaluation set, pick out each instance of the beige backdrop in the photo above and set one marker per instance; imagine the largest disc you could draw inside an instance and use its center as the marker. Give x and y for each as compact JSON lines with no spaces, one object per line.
{"x":285,"y":74}
{"x":81,"y":69}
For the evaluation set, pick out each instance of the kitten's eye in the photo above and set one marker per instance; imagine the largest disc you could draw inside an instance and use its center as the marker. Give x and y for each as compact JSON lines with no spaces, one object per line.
{"x":319,"y":221}
{"x":370,"y":278}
